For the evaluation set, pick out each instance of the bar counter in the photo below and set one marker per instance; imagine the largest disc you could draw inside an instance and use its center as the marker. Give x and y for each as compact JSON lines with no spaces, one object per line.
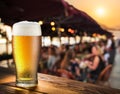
{"x":48,"y":84}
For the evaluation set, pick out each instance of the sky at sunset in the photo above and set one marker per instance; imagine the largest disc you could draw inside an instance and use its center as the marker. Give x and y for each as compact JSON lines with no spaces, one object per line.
{"x":105,"y":12}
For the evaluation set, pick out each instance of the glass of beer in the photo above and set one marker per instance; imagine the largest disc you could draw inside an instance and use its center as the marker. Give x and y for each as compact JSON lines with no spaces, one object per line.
{"x":26,"y":52}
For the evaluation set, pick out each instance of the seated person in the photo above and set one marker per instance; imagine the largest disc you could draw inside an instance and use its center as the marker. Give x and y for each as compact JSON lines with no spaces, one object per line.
{"x":70,"y":64}
{"x":95,"y":64}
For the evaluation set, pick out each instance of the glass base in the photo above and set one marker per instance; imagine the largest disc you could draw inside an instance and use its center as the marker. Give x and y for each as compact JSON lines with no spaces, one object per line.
{"x":26,"y":84}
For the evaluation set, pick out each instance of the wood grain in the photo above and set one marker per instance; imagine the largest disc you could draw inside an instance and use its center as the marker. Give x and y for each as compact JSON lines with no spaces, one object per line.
{"x":48,"y":84}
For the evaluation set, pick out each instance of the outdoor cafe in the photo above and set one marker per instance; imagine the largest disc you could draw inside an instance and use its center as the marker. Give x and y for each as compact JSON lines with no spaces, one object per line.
{"x":53,"y":48}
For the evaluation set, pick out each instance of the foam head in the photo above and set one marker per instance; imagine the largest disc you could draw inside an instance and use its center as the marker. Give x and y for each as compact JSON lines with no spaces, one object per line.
{"x":26,"y":28}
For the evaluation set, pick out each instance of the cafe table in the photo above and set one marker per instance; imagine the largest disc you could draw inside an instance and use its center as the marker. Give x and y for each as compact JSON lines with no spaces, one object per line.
{"x":48,"y":84}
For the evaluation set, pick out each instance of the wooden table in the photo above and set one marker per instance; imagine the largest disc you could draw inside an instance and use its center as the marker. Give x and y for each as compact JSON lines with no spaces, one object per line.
{"x":48,"y":84}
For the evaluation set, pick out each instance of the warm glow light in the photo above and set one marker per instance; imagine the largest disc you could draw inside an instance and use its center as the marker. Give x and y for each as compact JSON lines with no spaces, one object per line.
{"x":100,"y":11}
{"x":62,"y":29}
{"x":94,"y":35}
{"x":53,"y":28}
{"x":40,"y":22}
{"x":52,"y":23}
{"x":71,"y":30}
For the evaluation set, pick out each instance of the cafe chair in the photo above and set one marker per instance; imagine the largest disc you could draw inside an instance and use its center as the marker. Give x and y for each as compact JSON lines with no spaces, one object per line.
{"x":104,"y":75}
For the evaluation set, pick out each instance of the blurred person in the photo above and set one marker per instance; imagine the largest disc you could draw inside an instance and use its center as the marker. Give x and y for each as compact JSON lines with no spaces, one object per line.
{"x":70,"y":64}
{"x":112,"y":52}
{"x":115,"y":74}
{"x":83,"y":47}
{"x":104,"y":51}
{"x":109,"y":50}
{"x":109,"y":42}
{"x":43,"y":60}
{"x":95,"y":63}
{"x":106,"y":56}
{"x":102,"y":44}
{"x":52,"y":57}
{"x":77,"y":49}
{"x":57,"y":64}
{"x":62,"y":48}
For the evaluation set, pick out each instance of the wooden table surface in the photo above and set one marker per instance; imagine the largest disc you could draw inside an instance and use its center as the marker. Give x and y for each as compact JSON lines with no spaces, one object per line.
{"x":48,"y":84}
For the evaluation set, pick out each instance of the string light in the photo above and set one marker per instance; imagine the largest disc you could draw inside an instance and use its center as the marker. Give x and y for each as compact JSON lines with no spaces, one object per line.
{"x":62,"y":29}
{"x":52,"y":23}
{"x":40,"y":22}
{"x":71,"y":31}
{"x":53,"y":28}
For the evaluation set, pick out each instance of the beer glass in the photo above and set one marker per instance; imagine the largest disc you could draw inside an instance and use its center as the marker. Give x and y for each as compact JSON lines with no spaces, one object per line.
{"x":26,"y":51}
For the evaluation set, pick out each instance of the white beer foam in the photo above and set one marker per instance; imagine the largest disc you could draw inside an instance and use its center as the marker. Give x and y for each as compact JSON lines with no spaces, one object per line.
{"x":26,"y":28}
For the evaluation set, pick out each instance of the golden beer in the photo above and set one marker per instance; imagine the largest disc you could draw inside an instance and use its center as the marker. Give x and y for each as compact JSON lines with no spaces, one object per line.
{"x":26,"y":52}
